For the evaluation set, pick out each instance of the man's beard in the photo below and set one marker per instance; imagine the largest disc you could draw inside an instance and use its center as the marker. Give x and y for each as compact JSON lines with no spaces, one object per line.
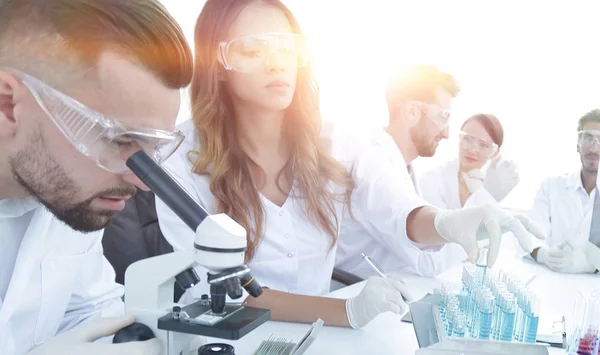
{"x":43,"y":178}
{"x":422,"y":141}
{"x":589,"y":169}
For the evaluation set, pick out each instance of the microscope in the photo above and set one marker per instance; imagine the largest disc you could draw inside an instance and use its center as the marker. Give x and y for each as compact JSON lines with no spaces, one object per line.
{"x":219,"y":246}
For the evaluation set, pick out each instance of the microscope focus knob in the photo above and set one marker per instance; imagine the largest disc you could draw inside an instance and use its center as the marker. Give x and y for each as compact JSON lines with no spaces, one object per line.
{"x":134,"y":332}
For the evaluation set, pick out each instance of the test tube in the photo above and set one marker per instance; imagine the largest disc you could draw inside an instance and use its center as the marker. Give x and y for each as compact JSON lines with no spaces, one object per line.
{"x":460,"y":325}
{"x":521,"y":296}
{"x":444,"y":301}
{"x":578,"y":325}
{"x":532,"y":319}
{"x":482,"y":266}
{"x":499,"y":291}
{"x":509,"y":309}
{"x":486,"y":311}
{"x":451,"y":313}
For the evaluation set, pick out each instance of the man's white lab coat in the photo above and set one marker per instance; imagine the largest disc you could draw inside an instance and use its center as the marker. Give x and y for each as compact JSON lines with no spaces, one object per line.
{"x":384,"y":197}
{"x":563,"y":209}
{"x":60,"y":280}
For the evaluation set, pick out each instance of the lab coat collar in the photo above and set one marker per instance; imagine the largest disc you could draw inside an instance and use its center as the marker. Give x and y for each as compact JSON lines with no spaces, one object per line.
{"x":16,"y":207}
{"x":574,"y":180}
{"x":385,"y":141}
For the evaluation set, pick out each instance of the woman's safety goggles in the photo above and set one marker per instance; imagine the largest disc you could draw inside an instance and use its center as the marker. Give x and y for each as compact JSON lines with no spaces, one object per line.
{"x":107,"y":141}
{"x":253,"y":53}
{"x":484,"y":147}
{"x":587,"y":138}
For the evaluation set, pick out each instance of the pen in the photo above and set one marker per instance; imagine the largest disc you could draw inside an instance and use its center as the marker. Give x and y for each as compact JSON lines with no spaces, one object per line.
{"x":377,"y":269}
{"x":373,"y":265}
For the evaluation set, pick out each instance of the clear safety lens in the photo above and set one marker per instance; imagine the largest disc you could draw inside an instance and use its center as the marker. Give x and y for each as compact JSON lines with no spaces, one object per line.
{"x":253,"y":53}
{"x":435,"y":113}
{"x":587,"y":138}
{"x":483,"y":146}
{"x":109,"y":142}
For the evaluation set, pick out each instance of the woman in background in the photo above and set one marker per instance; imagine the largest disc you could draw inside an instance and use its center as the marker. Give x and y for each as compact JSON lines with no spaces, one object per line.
{"x":462,"y":183}
{"x":253,"y":151}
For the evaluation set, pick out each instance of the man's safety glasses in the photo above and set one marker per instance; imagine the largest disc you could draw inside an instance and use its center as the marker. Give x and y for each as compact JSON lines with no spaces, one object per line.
{"x":253,"y":53}
{"x":435,"y":113}
{"x":484,"y":147}
{"x":108,"y":142}
{"x":588,"y":138}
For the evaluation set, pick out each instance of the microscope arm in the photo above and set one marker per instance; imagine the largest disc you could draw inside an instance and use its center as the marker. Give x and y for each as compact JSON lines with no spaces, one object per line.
{"x":149,"y":282}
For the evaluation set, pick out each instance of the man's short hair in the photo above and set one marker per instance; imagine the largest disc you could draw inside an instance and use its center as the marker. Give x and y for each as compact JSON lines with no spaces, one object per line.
{"x":46,"y":37}
{"x":419,"y":83}
{"x":592,"y":116}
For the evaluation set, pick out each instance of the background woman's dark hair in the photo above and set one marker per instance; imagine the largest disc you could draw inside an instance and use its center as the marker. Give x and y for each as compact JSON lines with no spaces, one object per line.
{"x":491,"y":124}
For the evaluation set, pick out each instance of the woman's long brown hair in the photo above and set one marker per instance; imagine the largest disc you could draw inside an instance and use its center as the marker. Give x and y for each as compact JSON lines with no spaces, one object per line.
{"x":220,"y":155}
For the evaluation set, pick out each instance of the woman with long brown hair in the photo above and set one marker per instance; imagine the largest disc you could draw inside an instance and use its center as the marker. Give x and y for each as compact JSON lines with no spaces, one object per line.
{"x":253,"y":151}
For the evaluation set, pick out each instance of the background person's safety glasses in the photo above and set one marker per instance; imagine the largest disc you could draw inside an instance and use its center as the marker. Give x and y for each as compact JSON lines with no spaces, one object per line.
{"x":108,"y":142}
{"x":250,"y":54}
{"x":587,"y":138}
{"x":484,"y":147}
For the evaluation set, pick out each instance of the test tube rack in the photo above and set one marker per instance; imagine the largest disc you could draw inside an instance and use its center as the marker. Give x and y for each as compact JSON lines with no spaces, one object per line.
{"x":433,"y":339}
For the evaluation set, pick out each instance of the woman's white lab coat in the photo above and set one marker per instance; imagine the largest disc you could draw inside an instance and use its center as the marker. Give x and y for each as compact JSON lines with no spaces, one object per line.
{"x":60,"y":279}
{"x":440,"y":188}
{"x":293,"y":256}
{"x":563,"y":209}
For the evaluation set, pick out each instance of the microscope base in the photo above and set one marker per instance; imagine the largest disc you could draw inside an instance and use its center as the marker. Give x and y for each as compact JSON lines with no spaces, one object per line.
{"x":237,"y":322}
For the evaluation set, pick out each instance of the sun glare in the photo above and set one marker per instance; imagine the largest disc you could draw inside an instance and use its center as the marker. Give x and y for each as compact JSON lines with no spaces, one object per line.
{"x":534,"y":64}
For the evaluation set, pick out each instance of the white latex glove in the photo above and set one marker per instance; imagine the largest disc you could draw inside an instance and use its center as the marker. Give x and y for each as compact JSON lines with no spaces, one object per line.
{"x":570,"y":260}
{"x":473,"y":180}
{"x":378,"y":296}
{"x":543,"y":254}
{"x":80,"y":340}
{"x":468,"y":225}
{"x":501,"y":178}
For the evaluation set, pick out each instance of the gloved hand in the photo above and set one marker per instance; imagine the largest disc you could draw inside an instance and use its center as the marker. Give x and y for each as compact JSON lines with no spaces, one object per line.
{"x":570,"y":259}
{"x":378,"y":296}
{"x":473,"y":180}
{"x":80,"y":340}
{"x":468,"y":225}
{"x":501,"y":178}
{"x":543,"y":254}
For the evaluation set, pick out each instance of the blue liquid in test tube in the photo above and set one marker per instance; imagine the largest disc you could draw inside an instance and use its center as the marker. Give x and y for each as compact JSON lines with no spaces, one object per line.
{"x":508,"y":317}
{"x":532,"y":317}
{"x":486,"y":310}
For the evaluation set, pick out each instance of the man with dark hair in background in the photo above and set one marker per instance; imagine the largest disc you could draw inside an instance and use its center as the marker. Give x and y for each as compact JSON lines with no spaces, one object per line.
{"x":564,"y":206}
{"x":83,"y":85}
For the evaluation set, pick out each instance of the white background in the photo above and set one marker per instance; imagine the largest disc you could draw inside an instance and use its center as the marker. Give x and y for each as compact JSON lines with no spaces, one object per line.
{"x":534,"y":64}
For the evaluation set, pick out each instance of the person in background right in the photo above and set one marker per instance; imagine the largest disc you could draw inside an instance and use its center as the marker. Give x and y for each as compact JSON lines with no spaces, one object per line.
{"x":564,"y":206}
{"x":461,"y":183}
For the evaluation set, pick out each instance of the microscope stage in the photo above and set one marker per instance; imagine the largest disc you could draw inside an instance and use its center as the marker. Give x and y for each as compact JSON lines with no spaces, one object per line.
{"x":236,"y":321}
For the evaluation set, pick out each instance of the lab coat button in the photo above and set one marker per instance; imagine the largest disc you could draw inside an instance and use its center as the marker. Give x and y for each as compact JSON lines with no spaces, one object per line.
{"x":290,"y":255}
{"x":281,"y":213}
